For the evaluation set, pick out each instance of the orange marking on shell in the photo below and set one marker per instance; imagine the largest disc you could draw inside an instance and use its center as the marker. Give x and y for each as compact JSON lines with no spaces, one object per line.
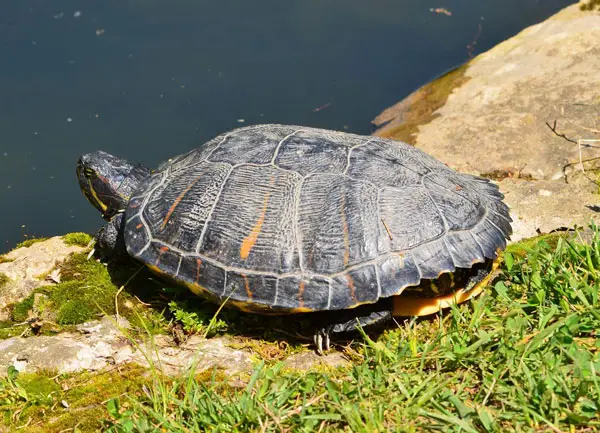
{"x":300,"y":293}
{"x":247,"y":287}
{"x":161,"y":251}
{"x":352,"y":288}
{"x":177,"y":201}
{"x":345,"y":229}
{"x":251,"y":239}
{"x":139,"y":226}
{"x":198,"y":264}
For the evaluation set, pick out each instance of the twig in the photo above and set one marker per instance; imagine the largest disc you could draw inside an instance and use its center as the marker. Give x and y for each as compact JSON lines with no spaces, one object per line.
{"x":299,"y":409}
{"x":142,"y":302}
{"x":564,"y":169}
{"x":121,"y":289}
{"x":323,"y":423}
{"x":489,"y":392}
{"x":274,"y":417}
{"x":553,"y":129}
{"x":579,"y":146}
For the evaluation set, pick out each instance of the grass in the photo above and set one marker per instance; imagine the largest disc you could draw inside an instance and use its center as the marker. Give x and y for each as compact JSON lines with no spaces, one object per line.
{"x":522,"y":357}
{"x":4,"y":279}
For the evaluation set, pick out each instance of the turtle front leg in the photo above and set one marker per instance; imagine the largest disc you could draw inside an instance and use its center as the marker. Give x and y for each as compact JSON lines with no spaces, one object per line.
{"x":378,"y":314}
{"x":110,"y":241}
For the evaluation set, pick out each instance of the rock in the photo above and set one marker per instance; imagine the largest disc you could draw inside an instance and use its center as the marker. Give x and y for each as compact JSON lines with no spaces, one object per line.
{"x":101,"y":343}
{"x":519,"y":114}
{"x":26,"y":269}
{"x":199,"y":353}
{"x":546,"y":205}
{"x":96,"y":345}
{"x":305,"y":361}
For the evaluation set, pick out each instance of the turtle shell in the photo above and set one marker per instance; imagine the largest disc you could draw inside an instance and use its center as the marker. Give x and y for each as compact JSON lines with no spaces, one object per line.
{"x":279,"y":218}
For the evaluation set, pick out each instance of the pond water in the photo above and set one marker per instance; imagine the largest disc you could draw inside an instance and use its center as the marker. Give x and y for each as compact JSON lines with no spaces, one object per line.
{"x":148,"y":79}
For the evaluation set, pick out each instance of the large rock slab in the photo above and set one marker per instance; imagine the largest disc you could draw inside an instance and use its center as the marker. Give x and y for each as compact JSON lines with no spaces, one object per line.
{"x":521,"y":112}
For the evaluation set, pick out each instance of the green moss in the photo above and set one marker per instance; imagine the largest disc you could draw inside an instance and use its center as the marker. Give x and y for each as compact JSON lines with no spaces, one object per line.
{"x":20,"y":311}
{"x":78,"y":238}
{"x":34,"y":402}
{"x":86,"y":290}
{"x":40,"y":385}
{"x":522,"y":247}
{"x":5,"y":259}
{"x":424,"y":102}
{"x":3,"y":279}
{"x":590,"y":5}
{"x":9,"y":330}
{"x":29,"y":242}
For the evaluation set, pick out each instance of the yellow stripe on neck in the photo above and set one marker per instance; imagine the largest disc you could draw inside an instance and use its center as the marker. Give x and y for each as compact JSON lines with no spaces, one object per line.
{"x":100,"y":203}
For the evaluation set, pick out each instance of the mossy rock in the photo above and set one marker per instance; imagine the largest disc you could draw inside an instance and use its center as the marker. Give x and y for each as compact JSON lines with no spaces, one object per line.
{"x":86,"y":291}
{"x":423,"y":103}
{"x":590,"y":5}
{"x":42,"y":398}
{"x":77,"y":238}
{"x":21,"y":311}
{"x":29,"y":242}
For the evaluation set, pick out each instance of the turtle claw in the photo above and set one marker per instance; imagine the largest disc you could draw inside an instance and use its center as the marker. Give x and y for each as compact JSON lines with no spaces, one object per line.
{"x":322,"y":340}
{"x":322,"y":337}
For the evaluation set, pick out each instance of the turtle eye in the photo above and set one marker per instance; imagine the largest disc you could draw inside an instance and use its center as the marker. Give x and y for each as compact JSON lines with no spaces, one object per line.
{"x":88,"y":172}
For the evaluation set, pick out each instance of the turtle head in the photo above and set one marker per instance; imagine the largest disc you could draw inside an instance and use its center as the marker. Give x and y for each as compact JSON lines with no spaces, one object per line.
{"x":108,"y":182}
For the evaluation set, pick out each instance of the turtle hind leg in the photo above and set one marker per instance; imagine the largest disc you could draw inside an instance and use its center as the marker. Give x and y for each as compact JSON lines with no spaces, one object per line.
{"x":377,"y":314}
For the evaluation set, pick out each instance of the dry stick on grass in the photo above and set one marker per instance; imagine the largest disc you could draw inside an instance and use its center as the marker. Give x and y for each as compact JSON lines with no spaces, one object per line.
{"x":274,"y":417}
{"x":299,"y":409}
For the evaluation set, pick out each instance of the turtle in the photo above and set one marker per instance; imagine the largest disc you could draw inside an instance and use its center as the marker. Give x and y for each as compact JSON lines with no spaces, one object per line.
{"x":284,"y":219}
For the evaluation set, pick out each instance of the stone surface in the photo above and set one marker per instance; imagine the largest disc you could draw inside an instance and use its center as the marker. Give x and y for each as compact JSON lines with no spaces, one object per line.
{"x":546,"y":205}
{"x":96,"y":345}
{"x":495,"y":123}
{"x":100,"y":344}
{"x":198,"y":353}
{"x":28,"y":267}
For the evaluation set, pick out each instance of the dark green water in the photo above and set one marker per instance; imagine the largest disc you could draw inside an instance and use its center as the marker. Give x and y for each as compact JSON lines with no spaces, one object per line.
{"x":150,"y":79}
